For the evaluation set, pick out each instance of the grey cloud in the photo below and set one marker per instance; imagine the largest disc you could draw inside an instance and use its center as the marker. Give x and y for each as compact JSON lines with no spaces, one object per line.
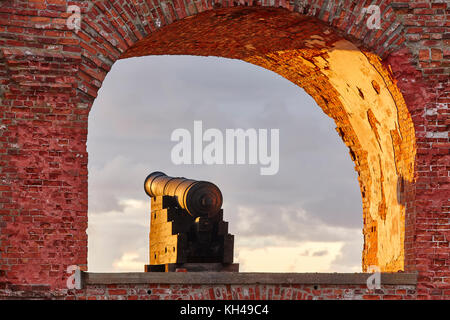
{"x":287,"y":222}
{"x":120,"y":178}
{"x":320,"y":253}
{"x":110,"y":239}
{"x":305,"y":253}
{"x":350,"y":256}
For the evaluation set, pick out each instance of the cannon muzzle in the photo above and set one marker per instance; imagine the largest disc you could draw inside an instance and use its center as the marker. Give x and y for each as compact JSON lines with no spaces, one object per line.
{"x":198,"y":198}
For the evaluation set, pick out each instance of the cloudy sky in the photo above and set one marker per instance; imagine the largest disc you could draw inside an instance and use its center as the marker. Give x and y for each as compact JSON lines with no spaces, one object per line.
{"x":306,"y":218}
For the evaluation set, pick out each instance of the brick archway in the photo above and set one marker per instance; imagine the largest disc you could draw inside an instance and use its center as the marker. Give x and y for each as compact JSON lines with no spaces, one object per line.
{"x":378,"y":102}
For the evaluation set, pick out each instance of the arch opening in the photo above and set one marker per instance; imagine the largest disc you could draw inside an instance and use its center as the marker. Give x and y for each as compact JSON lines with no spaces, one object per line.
{"x":349,"y":83}
{"x":313,"y":199}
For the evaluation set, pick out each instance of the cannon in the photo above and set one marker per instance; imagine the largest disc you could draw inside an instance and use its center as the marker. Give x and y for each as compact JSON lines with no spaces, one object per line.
{"x":198,"y":198}
{"x":187,"y":230}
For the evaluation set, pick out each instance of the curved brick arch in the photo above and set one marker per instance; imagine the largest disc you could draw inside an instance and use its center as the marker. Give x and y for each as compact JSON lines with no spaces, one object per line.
{"x":51,"y":77}
{"x":310,"y":54}
{"x":109,"y":28}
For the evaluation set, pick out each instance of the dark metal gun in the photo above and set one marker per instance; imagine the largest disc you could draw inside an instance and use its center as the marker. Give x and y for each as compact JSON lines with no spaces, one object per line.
{"x":198,"y":198}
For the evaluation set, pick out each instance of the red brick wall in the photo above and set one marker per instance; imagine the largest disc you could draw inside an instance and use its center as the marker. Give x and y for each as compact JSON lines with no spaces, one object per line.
{"x":244,"y":292}
{"x":50,"y":76}
{"x":218,"y":292}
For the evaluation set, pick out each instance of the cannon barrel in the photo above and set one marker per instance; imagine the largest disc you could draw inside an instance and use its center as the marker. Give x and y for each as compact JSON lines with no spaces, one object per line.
{"x":198,"y":198}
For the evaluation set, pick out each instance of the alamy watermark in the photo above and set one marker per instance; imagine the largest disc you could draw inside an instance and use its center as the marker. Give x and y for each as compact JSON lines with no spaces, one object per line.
{"x":374,"y":19}
{"x":74,"y":279}
{"x":374,"y":281}
{"x":236,"y":146}
{"x":74,"y":20}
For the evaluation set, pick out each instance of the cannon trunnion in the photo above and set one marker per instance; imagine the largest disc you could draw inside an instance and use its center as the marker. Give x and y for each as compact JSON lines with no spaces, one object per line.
{"x":187,"y":230}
